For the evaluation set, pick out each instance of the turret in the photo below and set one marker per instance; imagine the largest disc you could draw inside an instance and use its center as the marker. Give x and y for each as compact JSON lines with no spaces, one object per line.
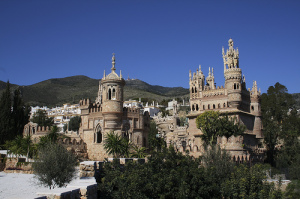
{"x":111,"y":87}
{"x":211,"y":79}
{"x":233,"y":75}
{"x":255,"y":100}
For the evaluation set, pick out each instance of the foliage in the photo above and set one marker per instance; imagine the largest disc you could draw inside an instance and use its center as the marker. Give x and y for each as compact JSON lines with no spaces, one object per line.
{"x":5,"y":116}
{"x":280,"y":122}
{"x":41,"y":118}
{"x":137,"y":152}
{"x":20,"y":113}
{"x":155,"y":142}
{"x":13,"y":116}
{"x":51,"y":137}
{"x":293,"y":190}
{"x":168,"y":174}
{"x":247,"y":182}
{"x":212,"y":125}
{"x":116,"y":145}
{"x":55,"y":166}
{"x":74,"y":123}
{"x":21,"y":146}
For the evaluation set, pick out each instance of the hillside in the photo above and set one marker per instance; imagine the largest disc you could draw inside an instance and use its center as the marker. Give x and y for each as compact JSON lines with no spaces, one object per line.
{"x":55,"y":92}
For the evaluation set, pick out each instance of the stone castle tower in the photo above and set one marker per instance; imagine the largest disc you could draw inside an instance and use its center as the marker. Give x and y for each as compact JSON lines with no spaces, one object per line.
{"x":107,"y":114}
{"x":233,"y":99}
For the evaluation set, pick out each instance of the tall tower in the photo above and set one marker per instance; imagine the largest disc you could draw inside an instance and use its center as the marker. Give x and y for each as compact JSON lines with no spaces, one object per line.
{"x":233,"y":75}
{"x":111,"y":87}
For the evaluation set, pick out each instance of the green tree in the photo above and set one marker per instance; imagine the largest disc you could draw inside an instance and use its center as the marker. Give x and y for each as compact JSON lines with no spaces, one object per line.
{"x":20,"y":113}
{"x":116,"y":145}
{"x":51,"y":137}
{"x":276,"y":105}
{"x":74,"y":123}
{"x":155,"y":142}
{"x":5,"y":116}
{"x":213,"y":124}
{"x":137,"y":152}
{"x":21,"y":146}
{"x":247,"y":182}
{"x":41,"y":118}
{"x":55,"y":166}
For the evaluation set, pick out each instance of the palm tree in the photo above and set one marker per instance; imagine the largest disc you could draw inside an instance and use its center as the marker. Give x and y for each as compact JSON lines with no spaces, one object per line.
{"x":116,"y":145}
{"x":138,"y":152}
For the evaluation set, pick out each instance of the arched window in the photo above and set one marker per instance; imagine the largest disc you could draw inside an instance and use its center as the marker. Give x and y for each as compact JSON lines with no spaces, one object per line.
{"x":208,"y":106}
{"x":197,"y":108}
{"x":214,"y":106}
{"x":219,"y":105}
{"x":98,"y":134}
{"x":224,"y":105}
{"x":109,"y":94}
{"x":193,"y":90}
{"x":193,"y":107}
{"x":252,"y":108}
{"x":113,"y":95}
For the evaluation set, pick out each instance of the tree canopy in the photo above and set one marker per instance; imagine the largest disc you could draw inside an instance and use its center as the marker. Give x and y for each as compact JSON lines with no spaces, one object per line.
{"x":55,"y":166}
{"x":42,"y":119}
{"x":281,"y":125}
{"x":213,"y":124}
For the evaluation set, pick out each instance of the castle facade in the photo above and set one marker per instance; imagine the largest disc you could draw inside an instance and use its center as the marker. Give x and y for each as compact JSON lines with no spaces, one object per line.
{"x":233,"y":98}
{"x":107,"y":114}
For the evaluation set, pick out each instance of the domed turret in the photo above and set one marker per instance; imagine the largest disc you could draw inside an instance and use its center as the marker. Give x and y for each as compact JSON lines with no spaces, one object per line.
{"x":233,"y":75}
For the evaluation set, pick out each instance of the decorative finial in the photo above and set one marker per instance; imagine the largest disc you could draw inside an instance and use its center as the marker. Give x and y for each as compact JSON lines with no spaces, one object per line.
{"x":113,"y":62}
{"x":209,"y":71}
{"x":212,"y":71}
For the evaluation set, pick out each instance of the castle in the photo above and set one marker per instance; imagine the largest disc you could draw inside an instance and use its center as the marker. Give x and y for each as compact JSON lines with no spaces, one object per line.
{"x":107,"y":114}
{"x":233,"y":99}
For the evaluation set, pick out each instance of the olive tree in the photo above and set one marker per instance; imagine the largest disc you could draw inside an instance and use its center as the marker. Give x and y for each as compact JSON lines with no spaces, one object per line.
{"x":55,"y":166}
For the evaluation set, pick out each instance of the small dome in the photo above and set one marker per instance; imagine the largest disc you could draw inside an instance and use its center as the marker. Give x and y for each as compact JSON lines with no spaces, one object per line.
{"x":112,"y":75}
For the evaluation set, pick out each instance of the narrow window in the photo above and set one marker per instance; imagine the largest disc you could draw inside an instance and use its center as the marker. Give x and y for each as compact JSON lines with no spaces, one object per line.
{"x":109,"y":94}
{"x":214,"y":106}
{"x":193,"y":90}
{"x":113,"y":94}
{"x":208,"y":106}
{"x":197,"y":108}
{"x":99,"y":136}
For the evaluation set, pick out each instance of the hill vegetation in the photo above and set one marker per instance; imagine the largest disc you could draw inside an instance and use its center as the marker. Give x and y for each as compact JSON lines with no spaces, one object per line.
{"x":55,"y":92}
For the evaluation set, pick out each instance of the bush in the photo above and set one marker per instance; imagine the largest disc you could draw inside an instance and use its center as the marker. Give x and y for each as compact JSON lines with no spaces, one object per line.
{"x":55,"y":166}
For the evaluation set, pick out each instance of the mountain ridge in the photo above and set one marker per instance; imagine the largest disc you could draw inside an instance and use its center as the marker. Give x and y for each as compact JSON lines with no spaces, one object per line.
{"x":57,"y":91}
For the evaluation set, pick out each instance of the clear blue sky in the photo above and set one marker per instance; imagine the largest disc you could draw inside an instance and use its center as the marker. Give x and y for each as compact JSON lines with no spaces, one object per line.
{"x":157,"y":41}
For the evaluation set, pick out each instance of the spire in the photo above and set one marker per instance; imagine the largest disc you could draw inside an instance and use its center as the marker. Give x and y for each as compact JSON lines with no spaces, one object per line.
{"x":104,"y":75}
{"x":209,"y":73}
{"x":121,"y":74}
{"x":113,"y":63}
{"x":212,"y":71}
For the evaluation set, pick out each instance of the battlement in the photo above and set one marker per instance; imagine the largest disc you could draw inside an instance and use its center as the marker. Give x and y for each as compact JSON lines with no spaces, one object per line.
{"x":84,"y":102}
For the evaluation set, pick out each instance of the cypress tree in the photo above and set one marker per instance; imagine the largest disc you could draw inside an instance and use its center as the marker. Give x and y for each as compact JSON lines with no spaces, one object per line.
{"x":5,"y":116}
{"x":19,"y":113}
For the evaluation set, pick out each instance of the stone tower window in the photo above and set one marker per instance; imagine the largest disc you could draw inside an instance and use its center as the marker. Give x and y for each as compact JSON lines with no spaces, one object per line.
{"x":113,"y":95}
{"x":109,"y":94}
{"x":252,"y":108}
{"x":197,"y":108}
{"x":98,"y":134}
{"x":193,"y":90}
{"x":224,"y":105}
{"x":214,"y":106}
{"x":193,"y":107}
{"x":208,"y":106}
